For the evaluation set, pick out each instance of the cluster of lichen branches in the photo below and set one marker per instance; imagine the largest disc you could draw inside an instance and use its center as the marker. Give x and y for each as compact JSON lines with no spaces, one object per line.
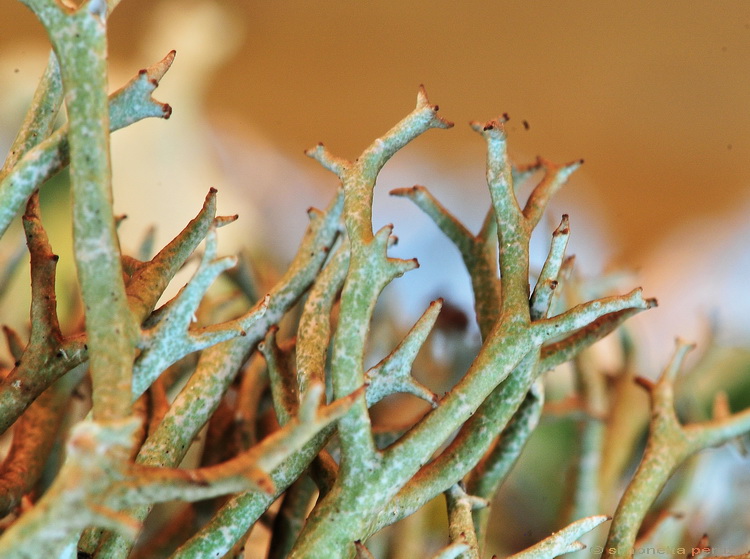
{"x":157,"y":377}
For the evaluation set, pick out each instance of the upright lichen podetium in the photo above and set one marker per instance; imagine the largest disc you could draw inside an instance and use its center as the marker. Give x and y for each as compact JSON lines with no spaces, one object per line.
{"x":375,"y":487}
{"x":79,"y":39}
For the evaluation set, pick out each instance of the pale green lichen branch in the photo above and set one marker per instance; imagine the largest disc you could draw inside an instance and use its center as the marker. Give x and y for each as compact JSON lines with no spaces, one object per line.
{"x":314,"y":330}
{"x":110,"y":327}
{"x":393,"y":373}
{"x":40,"y":118}
{"x":669,"y":445}
{"x":548,"y":281}
{"x":460,"y":522}
{"x":564,"y":541}
{"x":30,"y":166}
{"x":172,"y":338}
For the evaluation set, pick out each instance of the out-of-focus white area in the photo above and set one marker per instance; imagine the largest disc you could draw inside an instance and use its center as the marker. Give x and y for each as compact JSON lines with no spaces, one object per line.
{"x":699,"y":273}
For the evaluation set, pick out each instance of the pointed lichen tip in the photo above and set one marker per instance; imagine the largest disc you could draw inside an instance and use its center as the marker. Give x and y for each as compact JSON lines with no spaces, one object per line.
{"x":422,"y":99}
{"x":315,"y":150}
{"x":496,"y":125}
{"x":156,"y":72}
{"x":564,"y":227}
{"x":644,"y":383}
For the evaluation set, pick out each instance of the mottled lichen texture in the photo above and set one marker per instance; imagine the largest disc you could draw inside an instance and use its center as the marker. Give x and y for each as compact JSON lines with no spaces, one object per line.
{"x":274,"y":373}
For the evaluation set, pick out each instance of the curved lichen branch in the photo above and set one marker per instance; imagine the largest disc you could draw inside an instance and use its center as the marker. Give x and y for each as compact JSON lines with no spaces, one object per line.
{"x":314,"y":329}
{"x":548,"y":278}
{"x":284,"y":390}
{"x":460,"y":523}
{"x":148,"y":282}
{"x":42,"y":160}
{"x":250,"y":470}
{"x":559,"y":352}
{"x":487,"y":476}
{"x":40,"y":118}
{"x":585,"y":314}
{"x":217,"y":367}
{"x":564,"y":541}
{"x":172,"y":338}
{"x":513,"y":231}
{"x":669,"y":444}
{"x":133,"y":101}
{"x":419,"y":121}
{"x":48,"y":354}
{"x":555,"y":176}
{"x":443,"y":218}
{"x":370,"y":269}
{"x":337,"y":165}
{"x":35,"y":432}
{"x":358,"y":177}
{"x":393,"y":373}
{"x":478,"y":253}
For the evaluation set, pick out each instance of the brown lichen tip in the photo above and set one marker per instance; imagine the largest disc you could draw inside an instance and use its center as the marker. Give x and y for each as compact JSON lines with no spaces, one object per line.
{"x":422,"y":99}
{"x":644,"y":383}
{"x":157,"y":71}
{"x":313,"y":151}
{"x":497,"y":123}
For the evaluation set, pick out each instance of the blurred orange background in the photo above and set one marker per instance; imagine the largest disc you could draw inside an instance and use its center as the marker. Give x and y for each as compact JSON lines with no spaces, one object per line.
{"x":654,"y":96}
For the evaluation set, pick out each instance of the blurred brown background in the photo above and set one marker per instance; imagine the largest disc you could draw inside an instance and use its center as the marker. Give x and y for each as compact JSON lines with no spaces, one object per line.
{"x":654,"y":95}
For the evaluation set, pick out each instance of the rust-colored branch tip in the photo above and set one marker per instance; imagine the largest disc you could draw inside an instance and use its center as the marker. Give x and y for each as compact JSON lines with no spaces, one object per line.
{"x":157,"y":71}
{"x":644,"y":383}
